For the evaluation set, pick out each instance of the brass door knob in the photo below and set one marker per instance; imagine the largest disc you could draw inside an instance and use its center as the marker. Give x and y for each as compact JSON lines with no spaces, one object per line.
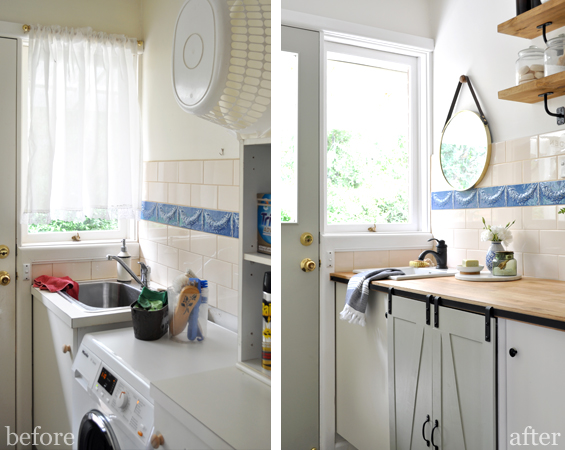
{"x":66,"y":348}
{"x":306,"y":239}
{"x":307,"y":265}
{"x":5,"y":278}
{"x":4,"y":251}
{"x":157,"y":440}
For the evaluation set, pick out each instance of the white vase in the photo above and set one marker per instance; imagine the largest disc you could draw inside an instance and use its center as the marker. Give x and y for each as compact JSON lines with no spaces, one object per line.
{"x":495,"y":246}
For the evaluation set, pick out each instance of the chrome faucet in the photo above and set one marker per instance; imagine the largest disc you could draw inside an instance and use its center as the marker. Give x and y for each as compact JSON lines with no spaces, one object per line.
{"x":145,"y":270}
{"x":440,"y":255}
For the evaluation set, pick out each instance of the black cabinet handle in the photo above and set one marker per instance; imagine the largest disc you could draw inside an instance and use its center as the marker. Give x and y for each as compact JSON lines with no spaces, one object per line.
{"x":434,"y":429}
{"x":513,"y":352}
{"x":424,"y":429}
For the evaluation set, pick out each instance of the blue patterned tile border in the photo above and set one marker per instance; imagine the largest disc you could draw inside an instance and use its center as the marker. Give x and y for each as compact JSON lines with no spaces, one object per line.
{"x":552,"y":193}
{"x":442,"y":200}
{"x":492,"y":197}
{"x":223,"y":223}
{"x":529,"y":194}
{"x":465,"y":199}
{"x":522,"y":195}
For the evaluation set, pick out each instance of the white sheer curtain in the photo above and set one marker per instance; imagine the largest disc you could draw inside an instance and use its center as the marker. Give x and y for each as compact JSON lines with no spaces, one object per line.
{"x":84,"y":134}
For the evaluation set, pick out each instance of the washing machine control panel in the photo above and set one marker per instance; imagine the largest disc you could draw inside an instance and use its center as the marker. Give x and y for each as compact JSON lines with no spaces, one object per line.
{"x":134,"y":411}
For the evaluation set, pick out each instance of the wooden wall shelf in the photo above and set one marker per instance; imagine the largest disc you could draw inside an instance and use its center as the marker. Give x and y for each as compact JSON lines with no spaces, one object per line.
{"x":525,"y":25}
{"x":529,"y":92}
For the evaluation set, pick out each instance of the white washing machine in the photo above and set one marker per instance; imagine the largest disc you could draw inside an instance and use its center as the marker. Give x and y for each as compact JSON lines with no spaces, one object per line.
{"x":112,"y":371}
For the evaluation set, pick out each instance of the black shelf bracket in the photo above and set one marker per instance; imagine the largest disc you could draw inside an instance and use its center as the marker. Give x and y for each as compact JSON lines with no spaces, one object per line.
{"x":489,"y":314}
{"x":543,"y":27}
{"x":436,"y":312}
{"x":428,"y":307}
{"x":390,"y":294}
{"x":560,"y":111}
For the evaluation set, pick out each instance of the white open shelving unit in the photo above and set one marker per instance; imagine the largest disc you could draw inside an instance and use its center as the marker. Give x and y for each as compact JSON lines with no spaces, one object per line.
{"x":254,"y":178}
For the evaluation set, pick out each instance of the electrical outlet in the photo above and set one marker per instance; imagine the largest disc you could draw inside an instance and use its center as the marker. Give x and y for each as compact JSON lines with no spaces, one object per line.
{"x":27,"y":272}
{"x":329,"y":259}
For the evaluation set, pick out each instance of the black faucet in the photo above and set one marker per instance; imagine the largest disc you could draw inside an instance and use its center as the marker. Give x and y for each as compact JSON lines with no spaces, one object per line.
{"x":440,"y":255}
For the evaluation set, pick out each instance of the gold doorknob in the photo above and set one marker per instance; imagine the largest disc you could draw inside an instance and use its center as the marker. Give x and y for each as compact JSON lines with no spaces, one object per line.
{"x":306,"y":239}
{"x":5,"y":278}
{"x":4,"y":251}
{"x":157,"y":440}
{"x":66,"y":348}
{"x":307,"y":265}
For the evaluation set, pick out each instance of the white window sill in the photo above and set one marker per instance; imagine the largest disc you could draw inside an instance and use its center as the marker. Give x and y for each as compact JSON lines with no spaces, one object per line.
{"x":365,"y":240}
{"x":73,"y":251}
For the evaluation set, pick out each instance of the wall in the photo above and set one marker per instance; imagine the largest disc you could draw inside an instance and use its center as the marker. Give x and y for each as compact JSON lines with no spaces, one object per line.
{"x":403,"y":16}
{"x":169,"y":132}
{"x":110,"y":16}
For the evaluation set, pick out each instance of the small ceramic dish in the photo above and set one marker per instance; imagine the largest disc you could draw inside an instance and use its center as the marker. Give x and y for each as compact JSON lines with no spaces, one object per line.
{"x":469,"y":270}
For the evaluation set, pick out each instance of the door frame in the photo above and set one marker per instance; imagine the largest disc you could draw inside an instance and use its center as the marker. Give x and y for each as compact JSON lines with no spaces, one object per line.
{"x":417,"y":46}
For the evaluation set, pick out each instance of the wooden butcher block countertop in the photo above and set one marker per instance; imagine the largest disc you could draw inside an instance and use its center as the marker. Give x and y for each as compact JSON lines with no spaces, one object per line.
{"x":532,"y":297}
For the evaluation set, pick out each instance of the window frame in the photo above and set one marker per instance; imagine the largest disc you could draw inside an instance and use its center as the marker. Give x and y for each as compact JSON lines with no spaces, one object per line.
{"x":355,"y":49}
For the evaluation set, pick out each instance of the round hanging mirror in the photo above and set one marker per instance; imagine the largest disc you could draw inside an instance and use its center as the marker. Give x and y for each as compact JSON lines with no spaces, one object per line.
{"x":465,"y":150}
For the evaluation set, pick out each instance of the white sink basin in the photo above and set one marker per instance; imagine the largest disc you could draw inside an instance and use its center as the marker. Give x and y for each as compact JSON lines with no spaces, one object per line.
{"x":413,"y":273}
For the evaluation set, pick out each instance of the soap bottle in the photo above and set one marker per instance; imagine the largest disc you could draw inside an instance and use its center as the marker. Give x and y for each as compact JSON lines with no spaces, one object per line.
{"x":123,"y":275}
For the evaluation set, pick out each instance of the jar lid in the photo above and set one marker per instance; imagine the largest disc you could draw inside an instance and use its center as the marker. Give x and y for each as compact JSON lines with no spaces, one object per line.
{"x":559,"y":40}
{"x":531,"y":51}
{"x":504,"y":255}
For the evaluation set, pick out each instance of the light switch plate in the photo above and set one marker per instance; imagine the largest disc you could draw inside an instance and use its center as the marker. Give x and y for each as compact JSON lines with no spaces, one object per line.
{"x":26,"y":272}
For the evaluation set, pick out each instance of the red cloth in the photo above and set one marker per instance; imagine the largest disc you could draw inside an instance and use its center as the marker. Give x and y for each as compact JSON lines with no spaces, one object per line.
{"x":54,"y":284}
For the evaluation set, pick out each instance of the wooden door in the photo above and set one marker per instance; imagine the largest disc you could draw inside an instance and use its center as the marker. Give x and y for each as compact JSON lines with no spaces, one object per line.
{"x":464,"y":394}
{"x":8,"y":143}
{"x":410,"y":375}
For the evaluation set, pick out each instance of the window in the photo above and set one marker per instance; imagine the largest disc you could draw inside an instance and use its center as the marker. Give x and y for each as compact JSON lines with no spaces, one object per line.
{"x":372,"y":151}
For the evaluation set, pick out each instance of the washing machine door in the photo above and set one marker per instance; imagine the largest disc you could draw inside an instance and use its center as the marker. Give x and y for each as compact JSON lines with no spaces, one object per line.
{"x":96,"y":433}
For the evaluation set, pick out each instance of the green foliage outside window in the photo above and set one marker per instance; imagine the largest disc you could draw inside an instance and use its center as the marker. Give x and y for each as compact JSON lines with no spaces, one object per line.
{"x":86,"y":225}
{"x":366,"y":186}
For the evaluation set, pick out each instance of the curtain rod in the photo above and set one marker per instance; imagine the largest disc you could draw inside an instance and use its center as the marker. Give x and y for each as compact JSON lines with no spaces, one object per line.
{"x":26,"y":29}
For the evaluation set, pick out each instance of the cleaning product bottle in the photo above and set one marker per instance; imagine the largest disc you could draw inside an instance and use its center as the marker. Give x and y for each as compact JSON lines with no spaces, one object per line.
{"x":123,"y":276}
{"x":266,"y":347}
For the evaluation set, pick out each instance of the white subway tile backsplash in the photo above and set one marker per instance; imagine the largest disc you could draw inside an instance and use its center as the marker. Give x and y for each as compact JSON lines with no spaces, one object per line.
{"x":203,"y":196}
{"x":179,"y":194}
{"x":179,"y":238}
{"x":498,"y":155}
{"x":218,"y":172}
{"x":203,"y":243}
{"x":343,"y":261}
{"x":370,"y":259}
{"x":487,"y":179}
{"x":454,"y":218}
{"x":401,"y":258}
{"x":525,"y":241}
{"x":561,"y":262}
{"x":102,"y":270}
{"x":145,"y":191}
{"x":151,"y":172}
{"x":474,"y":218}
{"x":504,"y":216}
{"x":552,"y":242}
{"x":41,"y":269}
{"x":78,"y":271}
{"x":142,"y":229}
{"x":148,"y":249}
{"x":235,"y":277}
{"x":552,"y":143}
{"x":540,"y":217}
{"x":445,"y":234}
{"x":190,"y":261}
{"x":543,"y":169}
{"x":468,"y":239}
{"x":212,"y":294}
{"x":479,"y":255}
{"x":228,"y":198}
{"x":227,"y":300}
{"x":454,"y":256}
{"x":561,"y":167}
{"x":541,"y":266}
{"x":522,"y":149}
{"x":169,"y":172}
{"x":168,"y":256}
{"x":228,"y":249}
{"x":191,"y":172}
{"x":508,"y":173}
{"x":157,"y":232}
{"x":236,"y":172}
{"x":159,"y":273}
{"x":171,"y":275}
{"x":218,"y":272}
{"x":157,"y":192}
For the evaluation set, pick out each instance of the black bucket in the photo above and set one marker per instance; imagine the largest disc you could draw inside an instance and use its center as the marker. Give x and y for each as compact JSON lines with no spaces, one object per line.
{"x":150,"y":325}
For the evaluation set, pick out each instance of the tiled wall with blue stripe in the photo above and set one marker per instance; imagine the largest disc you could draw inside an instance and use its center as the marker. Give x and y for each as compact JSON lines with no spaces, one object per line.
{"x":531,"y":194}
{"x":222,"y":223}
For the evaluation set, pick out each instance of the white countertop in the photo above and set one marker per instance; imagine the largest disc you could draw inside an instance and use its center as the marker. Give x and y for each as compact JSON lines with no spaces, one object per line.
{"x":231,"y":403}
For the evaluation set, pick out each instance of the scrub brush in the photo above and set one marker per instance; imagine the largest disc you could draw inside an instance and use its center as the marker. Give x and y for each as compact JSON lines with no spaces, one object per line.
{"x":193,"y":332}
{"x":417,"y":263}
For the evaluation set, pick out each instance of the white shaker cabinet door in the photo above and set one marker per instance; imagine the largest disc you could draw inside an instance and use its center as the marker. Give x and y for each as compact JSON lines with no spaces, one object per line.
{"x":532,"y":392}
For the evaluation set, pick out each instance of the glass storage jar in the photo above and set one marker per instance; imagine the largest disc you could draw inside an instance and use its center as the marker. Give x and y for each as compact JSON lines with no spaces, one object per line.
{"x":529,"y":65}
{"x":504,"y":264}
{"x":554,"y":55}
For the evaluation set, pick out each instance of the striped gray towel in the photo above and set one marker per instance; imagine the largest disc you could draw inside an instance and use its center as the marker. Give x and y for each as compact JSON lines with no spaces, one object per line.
{"x":358,"y":293}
